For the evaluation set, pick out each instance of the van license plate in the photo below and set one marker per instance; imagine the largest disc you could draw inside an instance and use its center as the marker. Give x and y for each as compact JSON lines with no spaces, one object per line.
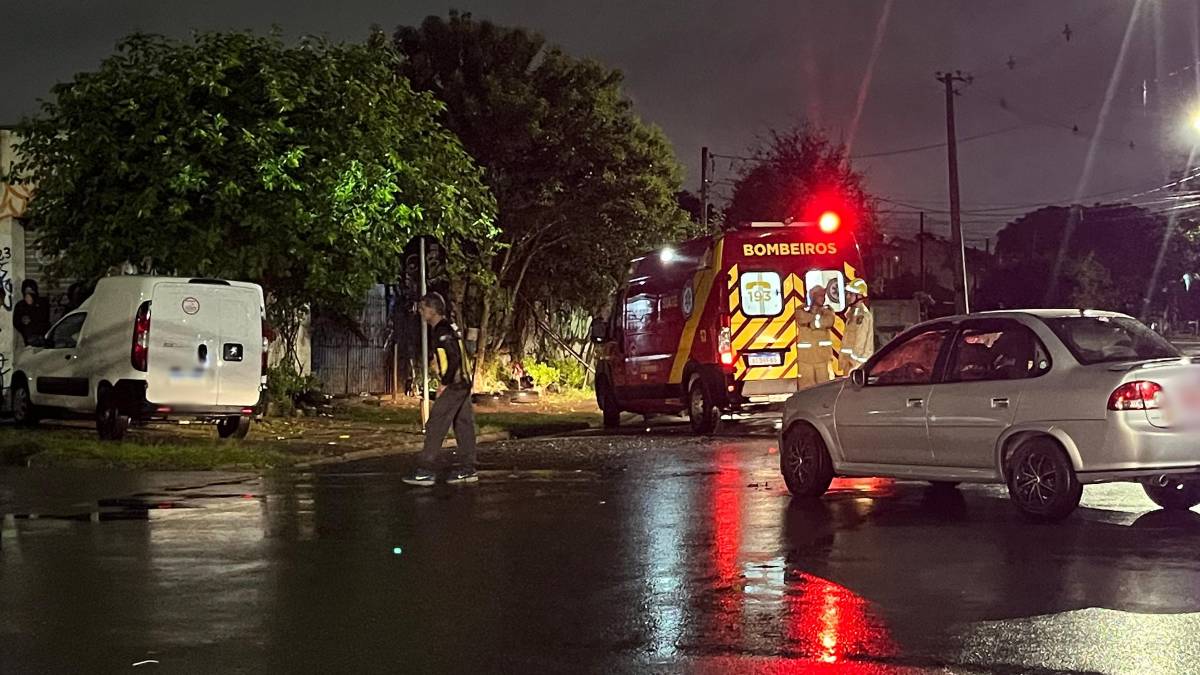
{"x":764,"y":359}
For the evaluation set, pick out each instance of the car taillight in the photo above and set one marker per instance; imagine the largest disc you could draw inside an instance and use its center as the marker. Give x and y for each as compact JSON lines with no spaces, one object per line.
{"x":139,"y":356}
{"x":1139,"y":395}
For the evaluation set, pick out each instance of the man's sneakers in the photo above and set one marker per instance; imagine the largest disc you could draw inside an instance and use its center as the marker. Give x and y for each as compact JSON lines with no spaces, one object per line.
{"x":426,"y":478}
{"x":461,"y":476}
{"x":422,"y":477}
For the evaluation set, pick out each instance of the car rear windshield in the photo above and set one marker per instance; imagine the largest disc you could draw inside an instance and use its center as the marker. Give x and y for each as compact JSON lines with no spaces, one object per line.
{"x":1103,"y":339}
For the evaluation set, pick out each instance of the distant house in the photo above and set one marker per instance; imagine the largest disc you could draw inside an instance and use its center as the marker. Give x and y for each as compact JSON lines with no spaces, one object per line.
{"x":896,"y":267}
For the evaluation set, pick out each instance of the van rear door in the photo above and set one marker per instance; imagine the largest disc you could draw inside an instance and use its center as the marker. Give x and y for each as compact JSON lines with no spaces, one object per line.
{"x":184,"y":344}
{"x":239,"y":365}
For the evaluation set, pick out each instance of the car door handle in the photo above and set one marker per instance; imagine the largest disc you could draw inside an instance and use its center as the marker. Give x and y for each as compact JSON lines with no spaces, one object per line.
{"x":999,"y":402}
{"x":916,"y":403}
{"x":69,"y":357}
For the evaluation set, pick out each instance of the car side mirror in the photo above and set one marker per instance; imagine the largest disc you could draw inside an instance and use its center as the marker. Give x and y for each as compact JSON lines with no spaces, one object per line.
{"x":858,"y":378}
{"x":599,"y":331}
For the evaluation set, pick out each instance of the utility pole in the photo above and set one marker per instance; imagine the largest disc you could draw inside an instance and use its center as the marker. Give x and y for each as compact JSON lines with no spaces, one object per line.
{"x":961,"y":295}
{"x":704,"y":188}
{"x":921,"y":248}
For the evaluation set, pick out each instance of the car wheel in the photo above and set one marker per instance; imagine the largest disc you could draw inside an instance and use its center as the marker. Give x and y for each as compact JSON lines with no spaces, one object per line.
{"x":25,"y":413}
{"x":1041,"y":481}
{"x":805,"y":462}
{"x":1177,"y":495}
{"x":608,"y":405}
{"x":233,"y":427}
{"x":110,"y":423}
{"x":702,"y":413}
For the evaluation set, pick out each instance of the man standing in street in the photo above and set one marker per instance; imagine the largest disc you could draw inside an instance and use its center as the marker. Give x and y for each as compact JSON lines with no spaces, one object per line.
{"x":858,"y":343}
{"x":814,"y":339}
{"x":451,"y":408}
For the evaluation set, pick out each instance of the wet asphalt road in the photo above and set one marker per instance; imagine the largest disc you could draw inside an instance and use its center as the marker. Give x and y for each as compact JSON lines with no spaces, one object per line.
{"x":635,"y":553}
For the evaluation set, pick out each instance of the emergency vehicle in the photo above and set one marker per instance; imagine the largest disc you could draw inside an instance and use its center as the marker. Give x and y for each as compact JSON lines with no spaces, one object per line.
{"x":709,"y":326}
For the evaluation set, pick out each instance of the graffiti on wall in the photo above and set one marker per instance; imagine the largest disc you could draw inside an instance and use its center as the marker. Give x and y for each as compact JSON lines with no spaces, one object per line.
{"x":6,"y":285}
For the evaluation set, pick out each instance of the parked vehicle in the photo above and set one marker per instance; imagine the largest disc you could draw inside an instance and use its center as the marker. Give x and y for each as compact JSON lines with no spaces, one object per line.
{"x":1044,"y":401}
{"x":709,"y":326}
{"x":146,"y":350}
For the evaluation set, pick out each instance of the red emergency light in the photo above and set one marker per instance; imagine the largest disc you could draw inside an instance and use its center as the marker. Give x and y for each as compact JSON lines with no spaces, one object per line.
{"x":829,"y":222}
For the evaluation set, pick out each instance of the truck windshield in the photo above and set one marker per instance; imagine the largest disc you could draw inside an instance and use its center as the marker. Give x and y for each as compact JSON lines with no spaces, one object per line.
{"x":1103,"y":339}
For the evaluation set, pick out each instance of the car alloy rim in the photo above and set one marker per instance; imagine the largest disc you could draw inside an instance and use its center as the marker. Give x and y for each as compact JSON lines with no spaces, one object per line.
{"x":21,"y":406}
{"x":1037,"y":480}
{"x":801,"y":458}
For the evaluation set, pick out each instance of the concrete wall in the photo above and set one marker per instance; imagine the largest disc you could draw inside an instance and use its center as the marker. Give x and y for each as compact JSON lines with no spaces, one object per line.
{"x":13,"y":199}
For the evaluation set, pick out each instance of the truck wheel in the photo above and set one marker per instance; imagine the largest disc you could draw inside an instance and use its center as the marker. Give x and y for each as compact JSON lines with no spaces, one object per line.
{"x":608,"y":405}
{"x":704,"y":415}
{"x":235,"y":426}
{"x":805,"y":463}
{"x":1041,"y":481}
{"x":25,"y":414}
{"x":1176,"y":495}
{"x":110,"y":423}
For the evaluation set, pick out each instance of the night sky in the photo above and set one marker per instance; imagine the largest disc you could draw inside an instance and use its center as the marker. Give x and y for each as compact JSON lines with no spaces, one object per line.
{"x":722,"y":73}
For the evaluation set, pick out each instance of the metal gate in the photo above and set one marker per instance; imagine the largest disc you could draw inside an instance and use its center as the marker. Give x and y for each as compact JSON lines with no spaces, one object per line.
{"x":348,"y":363}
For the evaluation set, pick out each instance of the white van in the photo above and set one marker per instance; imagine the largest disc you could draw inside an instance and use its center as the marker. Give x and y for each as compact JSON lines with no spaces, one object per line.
{"x":149,"y":349}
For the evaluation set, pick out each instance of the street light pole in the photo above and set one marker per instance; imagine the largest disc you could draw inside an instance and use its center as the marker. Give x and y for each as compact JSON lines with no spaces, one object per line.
{"x":424,"y":345}
{"x":961,"y":296}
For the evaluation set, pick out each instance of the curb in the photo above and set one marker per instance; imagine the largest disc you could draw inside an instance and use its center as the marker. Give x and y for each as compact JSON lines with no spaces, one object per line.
{"x":402,"y":449}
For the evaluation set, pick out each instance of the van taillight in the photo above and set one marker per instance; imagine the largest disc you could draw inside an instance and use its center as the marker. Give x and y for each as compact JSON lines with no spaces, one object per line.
{"x":266,"y":345}
{"x":139,"y":356}
{"x":725,"y":347}
{"x":1139,"y":395}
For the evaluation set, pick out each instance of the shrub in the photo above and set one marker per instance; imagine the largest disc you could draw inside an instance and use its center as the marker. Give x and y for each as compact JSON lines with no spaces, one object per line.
{"x":543,"y":374}
{"x":285,"y":386}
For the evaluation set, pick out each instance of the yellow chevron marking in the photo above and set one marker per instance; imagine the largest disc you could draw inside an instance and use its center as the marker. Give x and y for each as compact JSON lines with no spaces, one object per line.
{"x":704,"y":283}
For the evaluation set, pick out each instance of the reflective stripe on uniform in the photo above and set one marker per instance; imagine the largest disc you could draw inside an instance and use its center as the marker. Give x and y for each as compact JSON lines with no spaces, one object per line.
{"x":442,"y":362}
{"x":804,"y":345}
{"x":825,"y":343}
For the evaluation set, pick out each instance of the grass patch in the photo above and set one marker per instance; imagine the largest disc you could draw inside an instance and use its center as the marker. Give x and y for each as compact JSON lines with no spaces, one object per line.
{"x":521,"y":423}
{"x":46,"y":448}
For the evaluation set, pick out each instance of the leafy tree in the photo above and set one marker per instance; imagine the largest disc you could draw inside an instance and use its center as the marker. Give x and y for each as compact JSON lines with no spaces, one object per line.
{"x":690,"y":202}
{"x":305,"y":168}
{"x":792,"y":168}
{"x":582,"y":185}
{"x":1103,"y":256}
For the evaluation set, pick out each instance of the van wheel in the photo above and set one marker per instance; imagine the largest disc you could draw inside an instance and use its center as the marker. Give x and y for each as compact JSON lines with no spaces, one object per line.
{"x":608,"y":405}
{"x":233,"y":427}
{"x":110,"y":423}
{"x":1176,"y":495}
{"x":704,"y":415}
{"x":25,"y":414}
{"x":805,"y":463}
{"x":1041,"y":481}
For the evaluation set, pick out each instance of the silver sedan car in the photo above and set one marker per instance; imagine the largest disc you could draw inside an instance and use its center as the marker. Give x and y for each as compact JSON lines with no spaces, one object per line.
{"x":1043,"y":401}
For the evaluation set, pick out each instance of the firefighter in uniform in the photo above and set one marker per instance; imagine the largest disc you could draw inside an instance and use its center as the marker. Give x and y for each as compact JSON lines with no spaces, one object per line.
{"x":814,"y":339}
{"x":858,"y":343}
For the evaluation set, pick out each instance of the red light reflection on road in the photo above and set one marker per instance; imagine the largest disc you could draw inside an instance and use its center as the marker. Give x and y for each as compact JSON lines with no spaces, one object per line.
{"x":727,"y":514}
{"x":876,"y":486}
{"x":832,"y":624}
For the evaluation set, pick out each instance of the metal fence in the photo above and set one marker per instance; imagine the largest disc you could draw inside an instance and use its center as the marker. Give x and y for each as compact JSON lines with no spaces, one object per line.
{"x":347,"y":363}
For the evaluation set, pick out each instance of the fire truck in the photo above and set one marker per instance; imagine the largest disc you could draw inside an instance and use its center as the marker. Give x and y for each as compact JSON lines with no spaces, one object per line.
{"x":709,"y":326}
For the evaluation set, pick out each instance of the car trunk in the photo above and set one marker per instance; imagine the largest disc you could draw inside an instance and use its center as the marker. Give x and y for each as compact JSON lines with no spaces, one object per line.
{"x":205,"y":345}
